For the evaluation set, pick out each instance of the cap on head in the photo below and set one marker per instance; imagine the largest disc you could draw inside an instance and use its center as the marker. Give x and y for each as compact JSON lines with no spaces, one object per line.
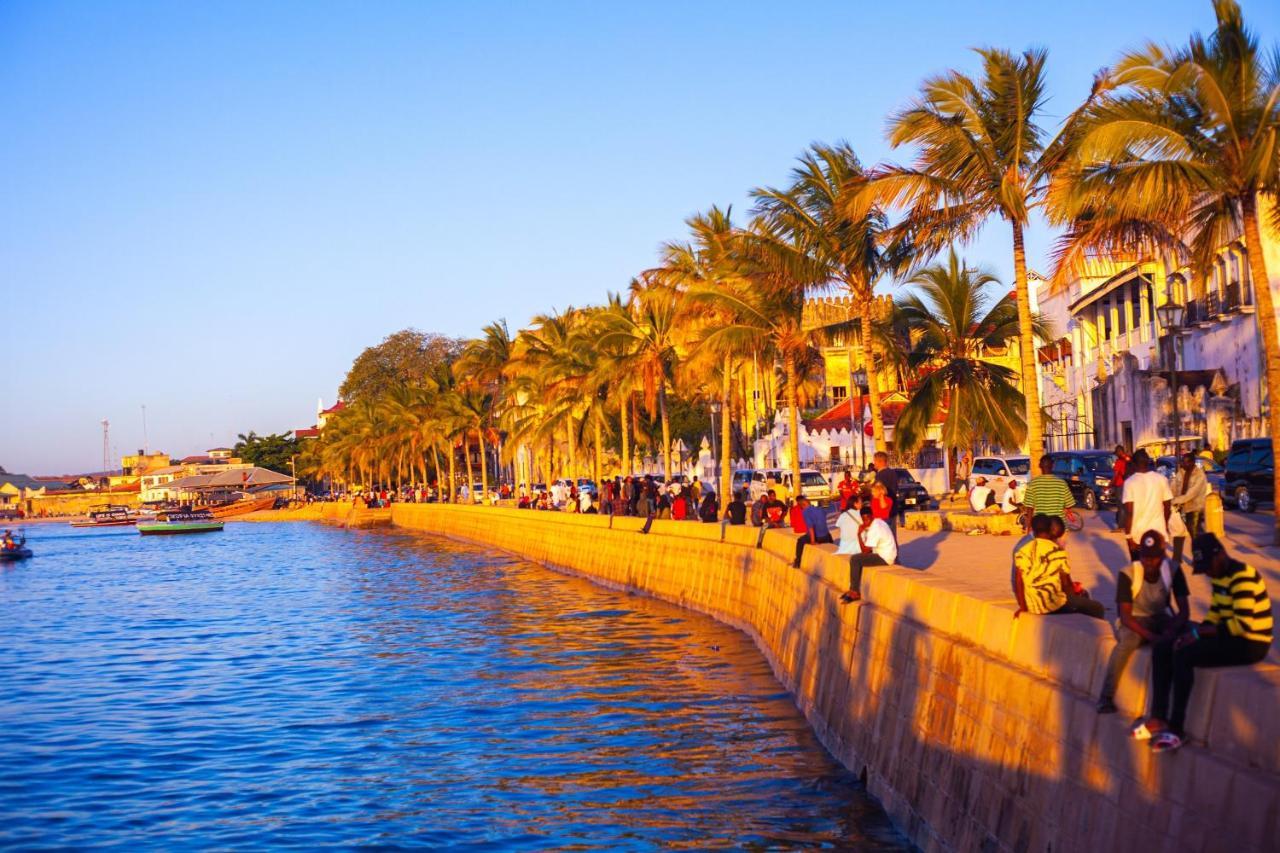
{"x":1151,"y":544}
{"x":1204,"y":548}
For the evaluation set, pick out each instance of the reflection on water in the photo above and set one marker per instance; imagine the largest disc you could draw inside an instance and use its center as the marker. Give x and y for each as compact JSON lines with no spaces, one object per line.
{"x":295,"y":684}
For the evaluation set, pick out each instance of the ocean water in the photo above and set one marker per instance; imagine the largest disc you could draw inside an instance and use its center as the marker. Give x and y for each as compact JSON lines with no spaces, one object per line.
{"x":298,"y":685}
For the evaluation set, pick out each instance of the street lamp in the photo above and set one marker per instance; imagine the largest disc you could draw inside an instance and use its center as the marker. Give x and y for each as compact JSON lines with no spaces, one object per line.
{"x":1170,"y":314}
{"x":858,"y":379}
{"x":715,"y":411}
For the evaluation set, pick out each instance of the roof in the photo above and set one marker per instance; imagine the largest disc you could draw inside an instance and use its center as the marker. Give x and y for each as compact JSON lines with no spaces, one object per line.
{"x":307,"y":432}
{"x":24,"y":481}
{"x":336,"y":407}
{"x":197,"y":460}
{"x":236,"y":478}
{"x":212,"y":449}
{"x":841,"y":415}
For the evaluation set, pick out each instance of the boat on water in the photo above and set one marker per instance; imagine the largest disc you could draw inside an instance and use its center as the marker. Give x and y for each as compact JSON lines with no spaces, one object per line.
{"x":186,"y":521}
{"x":242,"y":506}
{"x":12,"y":550}
{"x":107,"y":515}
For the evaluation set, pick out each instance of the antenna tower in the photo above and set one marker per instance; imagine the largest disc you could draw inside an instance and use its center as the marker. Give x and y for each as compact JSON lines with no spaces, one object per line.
{"x":106,"y":447}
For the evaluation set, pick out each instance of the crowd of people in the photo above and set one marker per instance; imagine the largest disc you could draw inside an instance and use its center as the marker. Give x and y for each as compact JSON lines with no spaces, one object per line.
{"x":1152,"y":593}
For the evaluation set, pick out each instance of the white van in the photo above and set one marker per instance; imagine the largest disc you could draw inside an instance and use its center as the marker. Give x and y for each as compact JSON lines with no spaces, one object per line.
{"x":1002,"y":468}
{"x":813,"y":485}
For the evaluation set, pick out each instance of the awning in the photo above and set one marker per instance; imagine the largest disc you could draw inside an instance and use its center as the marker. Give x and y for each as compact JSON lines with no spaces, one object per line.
{"x":1114,"y":283}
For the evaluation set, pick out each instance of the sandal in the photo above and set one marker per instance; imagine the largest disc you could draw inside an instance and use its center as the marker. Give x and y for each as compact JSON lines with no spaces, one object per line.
{"x":850,"y":596}
{"x":1166,"y":742}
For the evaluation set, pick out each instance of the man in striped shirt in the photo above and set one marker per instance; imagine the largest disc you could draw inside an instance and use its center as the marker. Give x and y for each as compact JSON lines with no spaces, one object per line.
{"x":1236,"y":632}
{"x":1047,"y":494}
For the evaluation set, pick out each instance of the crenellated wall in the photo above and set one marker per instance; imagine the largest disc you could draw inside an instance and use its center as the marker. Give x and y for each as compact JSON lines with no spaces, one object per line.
{"x":975,"y":730}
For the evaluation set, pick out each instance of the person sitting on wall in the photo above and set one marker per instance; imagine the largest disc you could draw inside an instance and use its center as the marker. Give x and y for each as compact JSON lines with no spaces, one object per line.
{"x":871,"y":543}
{"x":815,"y":532}
{"x":981,"y":496}
{"x":795,"y":517}
{"x":1044,"y":584}
{"x":774,"y":515}
{"x":1145,"y":597}
{"x":709,"y":512}
{"x":1011,"y":502}
{"x":881,"y":503}
{"x":1236,"y":632}
{"x":736,"y":510}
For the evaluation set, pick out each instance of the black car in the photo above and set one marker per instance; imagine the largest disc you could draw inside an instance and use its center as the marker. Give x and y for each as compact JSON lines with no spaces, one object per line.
{"x":1250,"y":474}
{"x":1088,"y":475}
{"x":911,"y":494}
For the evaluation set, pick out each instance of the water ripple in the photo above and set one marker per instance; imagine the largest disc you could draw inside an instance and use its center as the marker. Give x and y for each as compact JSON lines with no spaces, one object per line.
{"x":294,"y":685}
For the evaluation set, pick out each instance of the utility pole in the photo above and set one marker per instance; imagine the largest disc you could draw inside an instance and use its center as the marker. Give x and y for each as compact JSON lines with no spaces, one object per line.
{"x":145,"y":447}
{"x":106,"y":447}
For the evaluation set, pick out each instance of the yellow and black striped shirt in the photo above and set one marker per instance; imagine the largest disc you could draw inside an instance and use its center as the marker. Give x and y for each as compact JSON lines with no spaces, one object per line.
{"x":1241,"y":606}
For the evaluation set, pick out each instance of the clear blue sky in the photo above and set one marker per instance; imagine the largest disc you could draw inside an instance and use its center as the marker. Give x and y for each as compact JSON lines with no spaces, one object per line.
{"x":210,"y":209}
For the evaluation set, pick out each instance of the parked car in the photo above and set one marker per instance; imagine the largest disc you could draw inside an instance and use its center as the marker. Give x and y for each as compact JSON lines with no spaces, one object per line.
{"x":588,"y":486}
{"x":812,"y":484}
{"x":1213,"y":472}
{"x":1002,"y":468}
{"x":742,"y":479}
{"x":1250,"y":470}
{"x":1087,"y":474}
{"x":911,"y":492}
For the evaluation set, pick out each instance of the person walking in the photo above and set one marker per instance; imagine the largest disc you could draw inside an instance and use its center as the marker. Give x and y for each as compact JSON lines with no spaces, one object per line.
{"x":1047,"y":494}
{"x":1190,"y":489}
{"x":1118,"y":474}
{"x":1147,"y":501}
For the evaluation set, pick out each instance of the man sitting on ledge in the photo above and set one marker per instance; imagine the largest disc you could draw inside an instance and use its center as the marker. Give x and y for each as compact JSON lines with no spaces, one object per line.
{"x":870,"y":544}
{"x":1236,"y":632}
{"x":1044,"y":584}
{"x":981,"y":495}
{"x":815,"y":527}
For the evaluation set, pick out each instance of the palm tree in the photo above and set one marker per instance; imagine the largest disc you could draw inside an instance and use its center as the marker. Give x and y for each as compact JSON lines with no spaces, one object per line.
{"x":767,"y":311}
{"x":711,"y":261}
{"x":981,"y":153}
{"x":485,"y":362}
{"x":953,"y":328}
{"x":1188,"y":144}
{"x":853,"y":243}
{"x":648,"y":336}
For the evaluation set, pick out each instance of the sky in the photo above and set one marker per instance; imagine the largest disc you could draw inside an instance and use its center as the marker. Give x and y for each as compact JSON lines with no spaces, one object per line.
{"x":210,"y":209}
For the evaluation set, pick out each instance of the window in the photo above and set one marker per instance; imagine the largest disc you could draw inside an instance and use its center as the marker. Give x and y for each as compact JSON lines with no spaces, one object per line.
{"x":839,"y":392}
{"x":1260,"y":455}
{"x":1062,"y":466}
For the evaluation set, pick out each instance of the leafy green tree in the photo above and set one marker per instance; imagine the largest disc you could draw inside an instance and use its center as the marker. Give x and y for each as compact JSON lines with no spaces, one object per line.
{"x":406,"y":357}
{"x":274,"y":451}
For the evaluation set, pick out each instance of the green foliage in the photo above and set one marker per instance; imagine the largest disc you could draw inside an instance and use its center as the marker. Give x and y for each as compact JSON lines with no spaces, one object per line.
{"x":268,"y":451}
{"x":406,"y":357}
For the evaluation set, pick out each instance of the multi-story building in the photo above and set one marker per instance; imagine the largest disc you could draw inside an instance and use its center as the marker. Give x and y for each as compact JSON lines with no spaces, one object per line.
{"x":1110,"y":377}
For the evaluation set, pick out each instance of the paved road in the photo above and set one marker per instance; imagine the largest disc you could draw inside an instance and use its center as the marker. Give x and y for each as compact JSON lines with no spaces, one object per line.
{"x":1096,"y":555}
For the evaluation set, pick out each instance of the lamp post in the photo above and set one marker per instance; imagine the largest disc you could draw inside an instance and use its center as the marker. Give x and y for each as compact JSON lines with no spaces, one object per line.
{"x":1170,"y":314}
{"x":715,"y":410}
{"x":857,"y":379}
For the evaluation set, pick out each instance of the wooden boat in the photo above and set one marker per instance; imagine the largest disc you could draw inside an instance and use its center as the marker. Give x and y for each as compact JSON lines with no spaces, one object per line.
{"x":107,"y":515}
{"x":242,"y":507}
{"x":195,"y":521}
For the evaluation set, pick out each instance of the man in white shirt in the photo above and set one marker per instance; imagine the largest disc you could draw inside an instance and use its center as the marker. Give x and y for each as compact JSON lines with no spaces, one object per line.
{"x":875,"y":547}
{"x":1012,"y":500}
{"x":1147,"y":501}
{"x":980,"y":496}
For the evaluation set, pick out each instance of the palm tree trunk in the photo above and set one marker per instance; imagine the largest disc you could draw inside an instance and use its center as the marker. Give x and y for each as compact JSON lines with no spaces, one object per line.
{"x":595,"y":423}
{"x":484,"y":465}
{"x":435,"y":457}
{"x":1027,"y":351}
{"x":1267,"y":326}
{"x":570,"y":450}
{"x":793,"y":420}
{"x":626,"y":437}
{"x":666,"y":430}
{"x":453,"y":474}
{"x":726,"y":440}
{"x":868,"y":346}
{"x":466,"y":458}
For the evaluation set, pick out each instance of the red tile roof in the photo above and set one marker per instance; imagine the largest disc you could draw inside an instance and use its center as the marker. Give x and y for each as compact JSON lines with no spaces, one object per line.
{"x":336,"y":407}
{"x":838,"y":416}
{"x":308,"y":432}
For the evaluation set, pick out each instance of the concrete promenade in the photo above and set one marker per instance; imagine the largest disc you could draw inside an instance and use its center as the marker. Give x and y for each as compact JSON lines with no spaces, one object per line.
{"x":975,"y":730}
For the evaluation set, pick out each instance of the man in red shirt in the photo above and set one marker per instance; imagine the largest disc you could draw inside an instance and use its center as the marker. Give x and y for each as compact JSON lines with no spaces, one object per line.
{"x":846,"y":487}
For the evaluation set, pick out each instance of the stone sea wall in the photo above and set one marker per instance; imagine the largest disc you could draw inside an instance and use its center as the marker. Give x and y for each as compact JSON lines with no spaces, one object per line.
{"x":975,"y":730}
